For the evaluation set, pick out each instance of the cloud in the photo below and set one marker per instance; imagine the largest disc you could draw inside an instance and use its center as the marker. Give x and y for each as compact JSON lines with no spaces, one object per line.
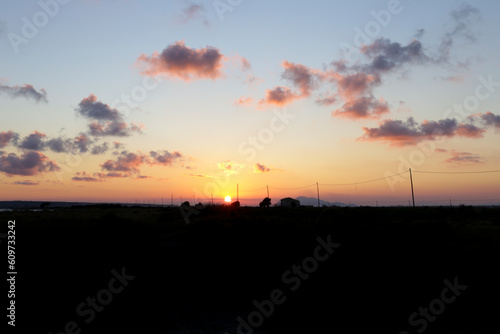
{"x":112,"y":175}
{"x":30,"y":163}
{"x":362,"y":107}
{"x":82,"y":143}
{"x":464,"y":158}
{"x":37,"y":141}
{"x":420,"y":33}
{"x":84,"y":177}
{"x":399,"y":133}
{"x":386,"y":56}
{"x":34,"y":142}
{"x":164,"y":157}
{"x":180,"y":61}
{"x":26,"y":183}
{"x":106,"y":121}
{"x":488,"y":119}
{"x":302,"y":77}
{"x":245,"y":64}
{"x":244,"y":101}
{"x":26,"y":91}
{"x":199,"y":175}
{"x":6,"y":137}
{"x":60,"y":145}
{"x":260,"y":168}
{"x":469,"y":130}
{"x":230,"y":167}
{"x":356,"y":91}
{"x":128,"y":162}
{"x":279,"y":96}
{"x":113,"y":128}
{"x":100,"y":149}
{"x":462,"y":21}
{"x":191,"y":12}
{"x":327,"y":100}
{"x":90,"y":108}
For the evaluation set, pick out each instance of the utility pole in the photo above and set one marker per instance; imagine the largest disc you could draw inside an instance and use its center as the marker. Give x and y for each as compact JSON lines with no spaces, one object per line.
{"x":412,"y":195}
{"x":172,"y":200}
{"x":267,"y":191}
{"x":237,"y":192}
{"x":317,"y":188}
{"x":212,"y":199}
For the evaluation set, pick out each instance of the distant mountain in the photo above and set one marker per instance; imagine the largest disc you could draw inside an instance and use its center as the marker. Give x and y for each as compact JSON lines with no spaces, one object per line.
{"x":314,"y":202}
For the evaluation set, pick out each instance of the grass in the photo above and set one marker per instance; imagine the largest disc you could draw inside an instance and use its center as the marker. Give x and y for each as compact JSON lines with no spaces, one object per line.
{"x":199,"y":277}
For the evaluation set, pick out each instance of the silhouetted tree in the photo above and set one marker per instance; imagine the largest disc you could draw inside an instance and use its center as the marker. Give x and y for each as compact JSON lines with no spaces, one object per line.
{"x":235,"y":204}
{"x":265,"y":202}
{"x":44,"y":205}
{"x":186,"y":203}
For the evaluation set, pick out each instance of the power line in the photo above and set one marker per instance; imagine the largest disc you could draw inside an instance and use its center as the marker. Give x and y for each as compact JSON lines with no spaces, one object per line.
{"x":356,"y":183}
{"x":439,"y":172}
{"x":251,"y":191}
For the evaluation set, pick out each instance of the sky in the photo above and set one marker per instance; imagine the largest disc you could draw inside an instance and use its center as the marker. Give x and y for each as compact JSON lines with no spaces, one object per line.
{"x":145,"y":101}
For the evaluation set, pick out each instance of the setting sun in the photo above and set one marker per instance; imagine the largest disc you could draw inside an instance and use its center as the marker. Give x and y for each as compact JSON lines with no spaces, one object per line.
{"x":227,"y":199}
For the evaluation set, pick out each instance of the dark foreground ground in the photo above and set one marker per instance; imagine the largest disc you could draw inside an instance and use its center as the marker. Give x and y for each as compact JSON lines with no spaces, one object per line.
{"x":144,"y":270}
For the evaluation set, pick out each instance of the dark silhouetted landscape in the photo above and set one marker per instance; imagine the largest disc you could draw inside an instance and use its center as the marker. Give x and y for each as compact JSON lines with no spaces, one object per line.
{"x":199,"y":275}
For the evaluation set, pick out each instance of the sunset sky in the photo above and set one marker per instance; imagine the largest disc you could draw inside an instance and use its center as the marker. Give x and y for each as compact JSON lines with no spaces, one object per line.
{"x":125,"y":100}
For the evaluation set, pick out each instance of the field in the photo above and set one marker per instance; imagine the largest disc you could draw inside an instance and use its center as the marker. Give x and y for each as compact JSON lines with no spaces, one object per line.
{"x":218,"y":269}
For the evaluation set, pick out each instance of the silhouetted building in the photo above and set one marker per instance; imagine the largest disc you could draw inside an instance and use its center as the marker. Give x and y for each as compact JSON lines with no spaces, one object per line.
{"x":289,"y":202}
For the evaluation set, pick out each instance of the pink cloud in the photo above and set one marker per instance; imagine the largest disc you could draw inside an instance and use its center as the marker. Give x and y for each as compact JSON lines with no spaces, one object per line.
{"x":178,"y":60}
{"x":30,"y":163}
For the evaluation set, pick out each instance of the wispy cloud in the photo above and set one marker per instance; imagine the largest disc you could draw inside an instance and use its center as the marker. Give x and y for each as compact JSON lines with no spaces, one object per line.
{"x":25,"y":91}
{"x":259,"y":168}
{"x":192,"y":12}
{"x":84,"y":177}
{"x":244,"y":101}
{"x":464,"y":158}
{"x":26,"y":183}
{"x":409,"y":132}
{"x":230,"y":167}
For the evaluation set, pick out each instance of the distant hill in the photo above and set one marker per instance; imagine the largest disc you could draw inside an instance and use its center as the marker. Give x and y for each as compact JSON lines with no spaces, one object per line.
{"x":314,"y":202}
{"x":19,"y":205}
